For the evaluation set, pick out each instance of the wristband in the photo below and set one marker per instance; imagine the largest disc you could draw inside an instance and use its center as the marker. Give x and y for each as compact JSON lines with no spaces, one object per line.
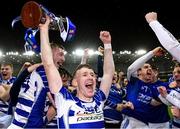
{"x":107,"y":46}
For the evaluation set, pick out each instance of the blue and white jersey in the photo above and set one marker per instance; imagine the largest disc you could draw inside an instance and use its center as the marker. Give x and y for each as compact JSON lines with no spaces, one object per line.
{"x":171,"y":79}
{"x":174,"y":98}
{"x":74,"y":113}
{"x":9,"y":81}
{"x":176,"y":122}
{"x":53,"y":122}
{"x":31,"y":101}
{"x":111,"y":115}
{"x":5,"y":105}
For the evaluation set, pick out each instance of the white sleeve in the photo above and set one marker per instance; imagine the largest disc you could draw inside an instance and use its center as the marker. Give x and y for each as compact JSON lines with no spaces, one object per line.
{"x":84,"y":59}
{"x":174,"y":100}
{"x":167,"y":40}
{"x":132,"y":69}
{"x":164,"y":100}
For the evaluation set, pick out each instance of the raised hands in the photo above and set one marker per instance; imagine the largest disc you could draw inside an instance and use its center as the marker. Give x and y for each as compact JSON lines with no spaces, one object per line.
{"x":105,"y":37}
{"x":46,"y":24}
{"x":151,"y":16}
{"x":158,"y":51}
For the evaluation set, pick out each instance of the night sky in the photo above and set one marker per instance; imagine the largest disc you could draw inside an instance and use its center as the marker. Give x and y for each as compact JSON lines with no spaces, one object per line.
{"x":124,"y":19}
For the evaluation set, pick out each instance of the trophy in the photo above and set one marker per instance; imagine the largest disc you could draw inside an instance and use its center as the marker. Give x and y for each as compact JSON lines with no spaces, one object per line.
{"x":32,"y":14}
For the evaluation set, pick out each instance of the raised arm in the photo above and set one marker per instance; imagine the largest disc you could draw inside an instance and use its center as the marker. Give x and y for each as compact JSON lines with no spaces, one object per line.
{"x":132,"y":69}
{"x":167,"y":40}
{"x":25,"y":65}
{"x":53,"y":76}
{"x":108,"y":67}
{"x":15,"y":89}
{"x":84,"y":58}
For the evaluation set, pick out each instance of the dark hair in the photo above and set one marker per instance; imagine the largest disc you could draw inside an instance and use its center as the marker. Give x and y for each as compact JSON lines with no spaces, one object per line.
{"x":64,"y":73}
{"x":154,"y":67}
{"x":55,"y":45}
{"x":80,"y":67}
{"x":177,"y":65}
{"x":7,"y":64}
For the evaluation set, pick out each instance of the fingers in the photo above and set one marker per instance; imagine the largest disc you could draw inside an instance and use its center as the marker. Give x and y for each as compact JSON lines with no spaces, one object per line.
{"x":151,"y":16}
{"x":105,"y":37}
{"x":162,"y":90}
{"x":158,"y":51}
{"x":33,"y":67}
{"x":130,"y":105}
{"x":47,"y":22}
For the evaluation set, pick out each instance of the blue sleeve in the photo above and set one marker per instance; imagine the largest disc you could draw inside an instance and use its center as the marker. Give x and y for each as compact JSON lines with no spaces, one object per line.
{"x":100,"y":66}
{"x":110,"y":104}
{"x":100,"y":96}
{"x":66,"y":94}
{"x":15,"y":89}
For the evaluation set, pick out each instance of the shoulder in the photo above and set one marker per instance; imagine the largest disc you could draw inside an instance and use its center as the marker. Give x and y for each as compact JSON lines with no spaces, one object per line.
{"x":99,"y":95}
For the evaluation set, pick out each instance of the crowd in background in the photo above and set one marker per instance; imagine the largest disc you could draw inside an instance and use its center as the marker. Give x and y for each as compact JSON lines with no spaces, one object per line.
{"x":46,"y":95}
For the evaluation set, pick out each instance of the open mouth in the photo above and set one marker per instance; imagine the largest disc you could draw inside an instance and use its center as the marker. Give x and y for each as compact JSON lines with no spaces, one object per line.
{"x":149,"y":72}
{"x":177,"y":78}
{"x":4,"y":74}
{"x":89,"y":85}
{"x":59,"y":64}
{"x":114,"y":78}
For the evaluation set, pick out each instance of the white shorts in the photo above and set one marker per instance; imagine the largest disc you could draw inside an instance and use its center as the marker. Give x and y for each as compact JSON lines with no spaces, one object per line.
{"x":5,"y":120}
{"x":12,"y":126}
{"x":164,"y":125}
{"x":132,"y":123}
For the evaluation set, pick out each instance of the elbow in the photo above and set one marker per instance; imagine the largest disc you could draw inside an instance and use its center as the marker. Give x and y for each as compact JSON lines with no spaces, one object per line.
{"x":54,"y":91}
{"x":130,"y":69}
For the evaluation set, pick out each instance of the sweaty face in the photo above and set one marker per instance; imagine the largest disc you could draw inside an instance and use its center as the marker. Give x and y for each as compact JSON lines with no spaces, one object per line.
{"x":176,"y":73}
{"x":58,"y":56}
{"x":6,"y":72}
{"x":86,"y":81}
{"x":146,"y":73}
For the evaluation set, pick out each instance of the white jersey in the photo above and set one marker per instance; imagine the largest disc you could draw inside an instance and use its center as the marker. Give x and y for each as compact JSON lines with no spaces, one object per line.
{"x":74,"y":113}
{"x":173,"y":98}
{"x":53,"y":122}
{"x":167,"y":40}
{"x":31,"y":101}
